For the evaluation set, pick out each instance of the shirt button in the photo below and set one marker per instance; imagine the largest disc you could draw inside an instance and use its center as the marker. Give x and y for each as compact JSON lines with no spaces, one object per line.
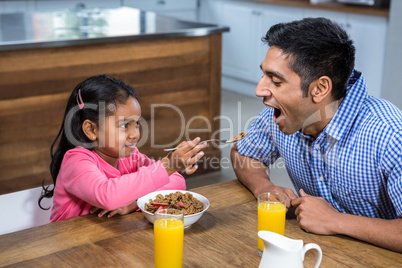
{"x":317,"y":146}
{"x":321,"y":178}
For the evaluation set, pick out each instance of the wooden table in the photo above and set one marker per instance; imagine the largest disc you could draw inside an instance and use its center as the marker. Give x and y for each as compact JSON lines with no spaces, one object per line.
{"x":225,"y":236}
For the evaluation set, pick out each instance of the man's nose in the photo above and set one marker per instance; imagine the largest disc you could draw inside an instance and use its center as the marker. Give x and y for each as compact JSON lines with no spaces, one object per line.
{"x":262,"y":89}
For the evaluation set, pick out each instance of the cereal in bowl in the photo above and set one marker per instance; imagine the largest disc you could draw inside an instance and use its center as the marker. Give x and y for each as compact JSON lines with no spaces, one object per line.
{"x":185,"y":202}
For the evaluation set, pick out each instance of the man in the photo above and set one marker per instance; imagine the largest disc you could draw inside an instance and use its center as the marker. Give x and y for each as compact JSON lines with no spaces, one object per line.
{"x":342,"y":148}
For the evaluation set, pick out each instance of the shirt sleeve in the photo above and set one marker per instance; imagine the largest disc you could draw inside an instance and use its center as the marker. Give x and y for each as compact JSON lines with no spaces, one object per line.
{"x":258,"y":143}
{"x":84,"y":179}
{"x":392,"y":164}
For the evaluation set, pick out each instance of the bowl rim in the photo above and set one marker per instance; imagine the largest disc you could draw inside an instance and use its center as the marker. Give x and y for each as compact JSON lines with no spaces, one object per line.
{"x":173,"y":191}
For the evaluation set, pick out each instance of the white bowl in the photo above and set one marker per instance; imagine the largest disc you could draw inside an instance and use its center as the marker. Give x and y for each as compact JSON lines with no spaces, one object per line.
{"x":188,"y":220}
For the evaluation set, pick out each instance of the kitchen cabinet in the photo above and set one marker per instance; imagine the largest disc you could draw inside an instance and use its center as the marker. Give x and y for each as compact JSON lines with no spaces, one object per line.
{"x":369,"y":34}
{"x":240,"y":44}
{"x":245,"y":35}
{"x":49,"y":5}
{"x":209,"y":11}
{"x":180,"y":9}
{"x":243,"y":50}
{"x":271,"y":17}
{"x":16,"y":6}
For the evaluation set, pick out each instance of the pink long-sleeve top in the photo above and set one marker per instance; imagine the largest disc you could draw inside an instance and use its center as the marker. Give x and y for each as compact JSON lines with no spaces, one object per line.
{"x":86,"y":180}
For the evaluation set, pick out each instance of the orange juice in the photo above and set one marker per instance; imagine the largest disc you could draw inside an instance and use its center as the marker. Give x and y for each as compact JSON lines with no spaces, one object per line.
{"x":271,"y":217}
{"x":168,"y":236}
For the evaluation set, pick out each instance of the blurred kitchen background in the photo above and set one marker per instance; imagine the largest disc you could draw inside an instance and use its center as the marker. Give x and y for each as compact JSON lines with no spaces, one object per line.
{"x":373,"y":25}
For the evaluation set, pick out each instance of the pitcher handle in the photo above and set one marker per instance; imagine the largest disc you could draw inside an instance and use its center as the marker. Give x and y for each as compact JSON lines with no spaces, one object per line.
{"x":309,"y":246}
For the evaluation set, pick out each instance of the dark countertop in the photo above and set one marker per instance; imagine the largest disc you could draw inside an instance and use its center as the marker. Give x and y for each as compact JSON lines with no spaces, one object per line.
{"x":92,"y":26}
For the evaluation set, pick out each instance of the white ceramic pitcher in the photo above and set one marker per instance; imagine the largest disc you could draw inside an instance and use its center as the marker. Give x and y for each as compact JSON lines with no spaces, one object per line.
{"x":281,"y":251}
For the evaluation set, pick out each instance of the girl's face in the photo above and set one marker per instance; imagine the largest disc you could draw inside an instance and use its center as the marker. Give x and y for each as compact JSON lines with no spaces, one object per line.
{"x":120,"y":132}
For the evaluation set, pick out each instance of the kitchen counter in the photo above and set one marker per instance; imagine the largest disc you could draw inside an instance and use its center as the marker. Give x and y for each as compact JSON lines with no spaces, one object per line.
{"x":93,"y":26}
{"x":332,"y":6}
{"x":175,"y":67}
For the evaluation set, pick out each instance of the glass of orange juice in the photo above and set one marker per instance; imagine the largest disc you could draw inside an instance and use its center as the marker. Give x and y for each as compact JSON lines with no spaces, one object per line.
{"x":168,"y":238}
{"x":271,"y":215}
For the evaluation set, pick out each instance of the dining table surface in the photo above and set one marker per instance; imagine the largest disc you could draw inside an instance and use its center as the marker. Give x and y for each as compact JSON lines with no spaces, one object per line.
{"x":225,"y":236}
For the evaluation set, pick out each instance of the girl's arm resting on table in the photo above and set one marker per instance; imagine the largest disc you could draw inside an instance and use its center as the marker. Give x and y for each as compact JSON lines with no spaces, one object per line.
{"x":316,"y":215}
{"x":254,"y":175}
{"x":177,"y":182}
{"x":111,"y":193}
{"x":121,"y":211}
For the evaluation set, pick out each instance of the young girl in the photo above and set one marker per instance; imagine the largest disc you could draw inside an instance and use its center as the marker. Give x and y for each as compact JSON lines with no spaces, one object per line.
{"x":96,"y":166}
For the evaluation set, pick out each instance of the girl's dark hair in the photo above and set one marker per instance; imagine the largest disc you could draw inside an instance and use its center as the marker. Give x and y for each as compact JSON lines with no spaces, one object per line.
{"x":318,"y":47}
{"x":100,"y":95}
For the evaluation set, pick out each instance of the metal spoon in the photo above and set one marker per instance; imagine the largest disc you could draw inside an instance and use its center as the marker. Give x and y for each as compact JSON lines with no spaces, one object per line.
{"x":221,"y":141}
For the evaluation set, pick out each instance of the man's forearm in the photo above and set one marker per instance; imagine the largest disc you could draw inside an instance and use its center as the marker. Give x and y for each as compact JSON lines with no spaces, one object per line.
{"x":250,"y":172}
{"x":255,"y":176}
{"x":381,"y":232}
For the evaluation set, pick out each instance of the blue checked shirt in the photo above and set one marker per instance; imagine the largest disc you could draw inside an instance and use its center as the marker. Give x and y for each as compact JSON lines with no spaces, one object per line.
{"x":356,"y":161}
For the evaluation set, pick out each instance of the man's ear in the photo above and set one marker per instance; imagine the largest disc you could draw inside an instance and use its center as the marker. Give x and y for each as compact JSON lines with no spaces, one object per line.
{"x":321,"y":89}
{"x":90,"y":129}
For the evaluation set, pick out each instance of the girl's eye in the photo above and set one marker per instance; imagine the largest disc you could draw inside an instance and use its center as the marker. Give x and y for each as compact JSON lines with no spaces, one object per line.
{"x":138,"y":122}
{"x":124,"y":125}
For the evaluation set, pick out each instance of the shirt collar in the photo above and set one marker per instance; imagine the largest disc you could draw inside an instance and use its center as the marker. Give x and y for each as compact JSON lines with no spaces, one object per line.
{"x":356,"y":94}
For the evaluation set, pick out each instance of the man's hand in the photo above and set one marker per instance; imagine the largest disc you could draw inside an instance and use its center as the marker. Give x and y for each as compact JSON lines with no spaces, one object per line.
{"x":286,"y":192}
{"x":255,"y":176}
{"x":315,"y":214}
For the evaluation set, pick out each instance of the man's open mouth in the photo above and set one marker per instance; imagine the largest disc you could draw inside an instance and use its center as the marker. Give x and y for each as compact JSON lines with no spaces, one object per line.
{"x":277,"y":113}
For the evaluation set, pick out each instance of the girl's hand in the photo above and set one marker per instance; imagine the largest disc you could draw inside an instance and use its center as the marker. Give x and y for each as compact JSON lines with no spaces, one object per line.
{"x":121,"y":211}
{"x":185,"y":157}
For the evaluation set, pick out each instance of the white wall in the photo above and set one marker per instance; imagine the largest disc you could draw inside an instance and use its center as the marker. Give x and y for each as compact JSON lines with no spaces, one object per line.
{"x":392,"y":84}
{"x":20,"y":210}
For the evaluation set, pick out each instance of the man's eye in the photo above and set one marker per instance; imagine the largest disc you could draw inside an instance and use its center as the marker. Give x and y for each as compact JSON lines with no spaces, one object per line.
{"x":276,"y":83}
{"x":124,"y":125}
